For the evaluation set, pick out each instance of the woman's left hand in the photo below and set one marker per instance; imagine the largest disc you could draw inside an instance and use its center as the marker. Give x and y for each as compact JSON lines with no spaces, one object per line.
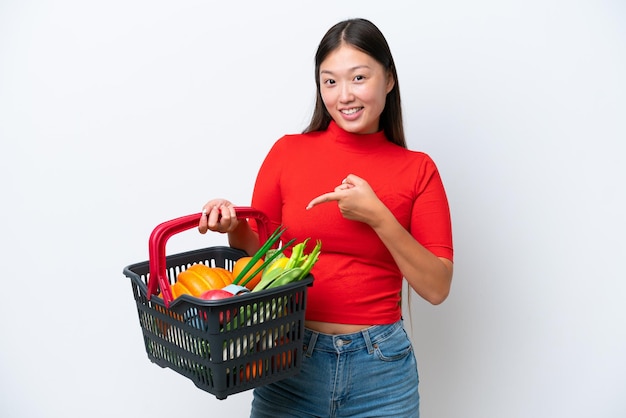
{"x":355,"y":198}
{"x":428,"y":275}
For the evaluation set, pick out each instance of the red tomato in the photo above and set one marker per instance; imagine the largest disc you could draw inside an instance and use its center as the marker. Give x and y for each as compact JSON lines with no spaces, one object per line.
{"x":216,"y":294}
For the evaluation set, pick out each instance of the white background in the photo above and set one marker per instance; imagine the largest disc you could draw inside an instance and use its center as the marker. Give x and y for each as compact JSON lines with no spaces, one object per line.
{"x":117,"y":115}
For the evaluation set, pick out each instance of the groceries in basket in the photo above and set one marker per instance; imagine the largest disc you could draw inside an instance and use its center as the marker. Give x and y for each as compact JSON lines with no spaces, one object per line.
{"x":267,"y":268}
{"x":275,"y":269}
{"x":226,"y":320}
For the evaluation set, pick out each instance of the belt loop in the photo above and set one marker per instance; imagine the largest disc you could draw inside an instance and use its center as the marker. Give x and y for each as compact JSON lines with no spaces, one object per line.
{"x":368,"y":342}
{"x":311,"y":344}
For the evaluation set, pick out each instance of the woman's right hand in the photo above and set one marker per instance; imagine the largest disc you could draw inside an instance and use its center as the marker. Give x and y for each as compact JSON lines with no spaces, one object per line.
{"x":218,"y":215}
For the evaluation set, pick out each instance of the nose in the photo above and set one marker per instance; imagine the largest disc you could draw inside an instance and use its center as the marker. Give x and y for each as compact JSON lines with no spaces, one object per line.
{"x":345,"y":95}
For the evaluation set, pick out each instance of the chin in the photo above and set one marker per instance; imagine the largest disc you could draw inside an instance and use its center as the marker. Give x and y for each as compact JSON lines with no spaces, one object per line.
{"x":355,"y":128}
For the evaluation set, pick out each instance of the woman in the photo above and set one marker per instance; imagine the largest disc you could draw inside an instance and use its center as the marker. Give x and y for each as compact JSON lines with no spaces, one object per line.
{"x":382,"y":215}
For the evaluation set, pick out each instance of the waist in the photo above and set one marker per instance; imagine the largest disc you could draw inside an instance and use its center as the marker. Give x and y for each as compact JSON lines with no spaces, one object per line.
{"x":365,"y":338}
{"x":333,"y":328}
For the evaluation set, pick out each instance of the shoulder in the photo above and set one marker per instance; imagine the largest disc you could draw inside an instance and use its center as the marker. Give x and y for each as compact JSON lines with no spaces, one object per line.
{"x":418,"y":166}
{"x":427,"y":166}
{"x":294,"y":142}
{"x":422,"y":157}
{"x":418,"y":158}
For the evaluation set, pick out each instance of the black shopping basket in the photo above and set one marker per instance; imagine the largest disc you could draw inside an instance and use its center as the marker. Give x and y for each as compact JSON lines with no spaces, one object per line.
{"x":224,"y":346}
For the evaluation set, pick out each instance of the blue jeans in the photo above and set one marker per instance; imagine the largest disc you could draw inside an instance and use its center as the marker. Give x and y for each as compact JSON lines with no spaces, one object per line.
{"x":371,"y":373}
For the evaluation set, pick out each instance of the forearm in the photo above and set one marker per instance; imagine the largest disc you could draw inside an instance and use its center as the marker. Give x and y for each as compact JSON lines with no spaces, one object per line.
{"x":244,"y":238}
{"x":429,"y":275}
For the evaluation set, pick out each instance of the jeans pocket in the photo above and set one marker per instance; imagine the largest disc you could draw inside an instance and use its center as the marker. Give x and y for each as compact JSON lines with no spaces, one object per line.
{"x":394,"y":348}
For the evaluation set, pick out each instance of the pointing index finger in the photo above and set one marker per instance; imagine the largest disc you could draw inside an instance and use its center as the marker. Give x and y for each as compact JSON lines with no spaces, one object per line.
{"x":326,"y":197}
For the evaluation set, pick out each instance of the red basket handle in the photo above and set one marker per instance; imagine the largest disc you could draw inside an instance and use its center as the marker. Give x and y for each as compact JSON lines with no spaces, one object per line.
{"x":164,"y":231}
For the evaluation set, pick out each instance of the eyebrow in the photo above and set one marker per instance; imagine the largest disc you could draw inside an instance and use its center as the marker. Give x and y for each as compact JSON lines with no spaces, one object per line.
{"x":357,"y":67}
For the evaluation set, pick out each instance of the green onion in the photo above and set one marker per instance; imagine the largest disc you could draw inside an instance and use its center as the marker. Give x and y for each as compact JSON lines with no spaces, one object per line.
{"x":267,"y":262}
{"x":261,"y":252}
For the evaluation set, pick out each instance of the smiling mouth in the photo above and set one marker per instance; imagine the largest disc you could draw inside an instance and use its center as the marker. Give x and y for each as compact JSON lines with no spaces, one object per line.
{"x":351,"y":111}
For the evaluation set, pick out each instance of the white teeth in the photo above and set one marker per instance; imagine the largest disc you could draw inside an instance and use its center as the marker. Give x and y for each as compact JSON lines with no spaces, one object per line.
{"x":350,"y":111}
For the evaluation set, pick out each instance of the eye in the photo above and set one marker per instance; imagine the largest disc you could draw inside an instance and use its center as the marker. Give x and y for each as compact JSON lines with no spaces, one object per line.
{"x":359,"y":78}
{"x":329,"y":81}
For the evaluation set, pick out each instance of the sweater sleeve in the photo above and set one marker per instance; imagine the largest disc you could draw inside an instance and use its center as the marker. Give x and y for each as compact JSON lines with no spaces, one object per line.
{"x":267,"y":195}
{"x":431,"y":225}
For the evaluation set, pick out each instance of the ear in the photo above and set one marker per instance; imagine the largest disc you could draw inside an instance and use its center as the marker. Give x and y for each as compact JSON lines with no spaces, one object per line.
{"x":390,"y":82}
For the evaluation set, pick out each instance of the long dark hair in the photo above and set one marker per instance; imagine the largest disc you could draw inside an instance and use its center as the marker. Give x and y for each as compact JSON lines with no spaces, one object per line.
{"x":365,"y":36}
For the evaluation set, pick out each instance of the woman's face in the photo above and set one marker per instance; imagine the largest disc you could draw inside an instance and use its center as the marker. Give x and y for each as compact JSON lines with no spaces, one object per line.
{"x":354,"y":88}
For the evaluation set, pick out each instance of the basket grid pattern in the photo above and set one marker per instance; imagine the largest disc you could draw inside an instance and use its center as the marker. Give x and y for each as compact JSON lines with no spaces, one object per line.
{"x":225,"y":346}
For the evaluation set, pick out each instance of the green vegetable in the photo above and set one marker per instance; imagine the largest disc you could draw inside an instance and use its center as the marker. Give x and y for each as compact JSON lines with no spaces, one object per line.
{"x":268,"y":278}
{"x":286,"y":277}
{"x":311,"y":260}
{"x":268,"y":261}
{"x":297,"y":255}
{"x":297,"y":267}
{"x":279,"y":262}
{"x":260,"y":253}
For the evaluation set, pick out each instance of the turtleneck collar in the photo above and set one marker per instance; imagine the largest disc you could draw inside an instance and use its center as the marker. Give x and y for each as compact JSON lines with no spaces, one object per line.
{"x":356,"y":142}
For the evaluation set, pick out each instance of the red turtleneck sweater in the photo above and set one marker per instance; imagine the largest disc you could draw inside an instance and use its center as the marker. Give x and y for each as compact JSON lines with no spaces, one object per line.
{"x":356,"y":279}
